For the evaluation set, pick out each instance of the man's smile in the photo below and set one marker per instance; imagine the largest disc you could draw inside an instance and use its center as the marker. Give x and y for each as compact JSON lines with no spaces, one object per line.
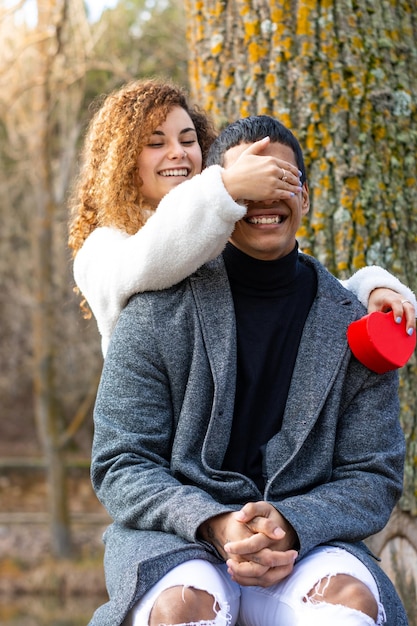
{"x":265,"y":219}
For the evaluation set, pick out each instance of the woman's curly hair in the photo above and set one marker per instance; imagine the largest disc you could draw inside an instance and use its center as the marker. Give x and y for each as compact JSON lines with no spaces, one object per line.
{"x":107,"y":190}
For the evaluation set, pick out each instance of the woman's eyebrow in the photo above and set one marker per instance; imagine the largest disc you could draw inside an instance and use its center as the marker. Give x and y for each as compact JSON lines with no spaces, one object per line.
{"x":182,"y":132}
{"x":188,"y":130}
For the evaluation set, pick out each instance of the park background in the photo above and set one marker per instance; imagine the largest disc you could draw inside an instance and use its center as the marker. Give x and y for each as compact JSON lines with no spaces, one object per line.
{"x":341,"y":73}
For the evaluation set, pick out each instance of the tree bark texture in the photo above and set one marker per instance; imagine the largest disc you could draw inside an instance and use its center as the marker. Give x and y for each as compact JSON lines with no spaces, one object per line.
{"x":58,"y":61}
{"x":342,"y":74}
{"x":47,"y":413}
{"x":47,"y":178}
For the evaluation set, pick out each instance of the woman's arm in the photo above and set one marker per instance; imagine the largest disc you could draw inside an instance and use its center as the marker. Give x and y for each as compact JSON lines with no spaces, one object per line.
{"x":378,"y":290}
{"x":190,"y":226}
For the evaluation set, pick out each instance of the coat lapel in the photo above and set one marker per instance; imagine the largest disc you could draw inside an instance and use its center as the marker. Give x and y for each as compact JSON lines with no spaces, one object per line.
{"x":320,"y":356}
{"x":215,"y":309}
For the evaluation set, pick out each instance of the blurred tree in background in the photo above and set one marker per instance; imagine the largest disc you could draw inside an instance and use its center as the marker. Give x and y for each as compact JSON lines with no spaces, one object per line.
{"x":53,"y":64}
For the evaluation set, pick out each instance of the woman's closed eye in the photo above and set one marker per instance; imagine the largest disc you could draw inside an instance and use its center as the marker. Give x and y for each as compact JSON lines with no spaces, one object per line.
{"x":161,"y":144}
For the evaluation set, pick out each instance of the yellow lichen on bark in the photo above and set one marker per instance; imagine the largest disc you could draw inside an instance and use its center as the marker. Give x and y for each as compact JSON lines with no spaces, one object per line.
{"x":217,"y":48}
{"x":305,"y":25}
{"x":244,"y":7}
{"x":256,"y":52}
{"x":285,"y":118}
{"x":278,"y":12}
{"x":358,"y":253}
{"x":358,"y":215}
{"x":352,"y":184}
{"x":218,"y":9}
{"x":252,"y":29}
{"x":270,"y":84}
{"x":311,"y":142}
{"x":244,"y":109}
{"x":228,"y":80}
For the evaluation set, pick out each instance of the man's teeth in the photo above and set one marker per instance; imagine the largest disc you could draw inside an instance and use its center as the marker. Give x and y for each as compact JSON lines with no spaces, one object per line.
{"x":181,"y":172}
{"x":276,"y":219}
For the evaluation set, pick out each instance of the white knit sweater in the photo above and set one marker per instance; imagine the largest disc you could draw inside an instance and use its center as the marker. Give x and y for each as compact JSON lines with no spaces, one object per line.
{"x":190,"y":226}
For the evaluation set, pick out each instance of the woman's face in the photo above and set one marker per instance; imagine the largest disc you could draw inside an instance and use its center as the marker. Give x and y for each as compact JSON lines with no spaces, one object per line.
{"x":171,"y":156}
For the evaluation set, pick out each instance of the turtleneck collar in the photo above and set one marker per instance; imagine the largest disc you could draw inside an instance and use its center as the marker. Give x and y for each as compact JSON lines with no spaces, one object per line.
{"x":246,"y":272}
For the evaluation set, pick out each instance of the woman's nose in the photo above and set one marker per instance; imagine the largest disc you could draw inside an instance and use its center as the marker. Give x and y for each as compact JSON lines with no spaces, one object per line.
{"x":177,"y":152}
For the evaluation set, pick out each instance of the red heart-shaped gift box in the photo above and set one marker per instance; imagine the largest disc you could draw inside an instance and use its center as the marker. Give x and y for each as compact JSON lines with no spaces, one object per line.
{"x":379,"y":342}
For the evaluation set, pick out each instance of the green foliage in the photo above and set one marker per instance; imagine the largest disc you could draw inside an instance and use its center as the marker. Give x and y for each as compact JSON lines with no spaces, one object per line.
{"x":138,"y":38}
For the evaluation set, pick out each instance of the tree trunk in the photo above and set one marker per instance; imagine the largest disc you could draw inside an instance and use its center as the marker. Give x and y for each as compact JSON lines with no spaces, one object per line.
{"x":45,"y":393}
{"x":343,"y":75}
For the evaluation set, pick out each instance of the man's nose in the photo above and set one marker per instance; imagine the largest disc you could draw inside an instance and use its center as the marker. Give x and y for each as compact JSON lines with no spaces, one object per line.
{"x":269,"y":204}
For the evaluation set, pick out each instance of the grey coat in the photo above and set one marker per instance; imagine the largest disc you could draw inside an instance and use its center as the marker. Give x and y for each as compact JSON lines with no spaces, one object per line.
{"x":162,"y":422}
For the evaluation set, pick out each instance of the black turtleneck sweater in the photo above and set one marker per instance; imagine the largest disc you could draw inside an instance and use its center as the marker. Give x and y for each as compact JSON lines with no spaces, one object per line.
{"x":272,"y":300}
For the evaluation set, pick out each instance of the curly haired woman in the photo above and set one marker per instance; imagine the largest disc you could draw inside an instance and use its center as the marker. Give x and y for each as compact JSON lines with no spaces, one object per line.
{"x":134,"y":227}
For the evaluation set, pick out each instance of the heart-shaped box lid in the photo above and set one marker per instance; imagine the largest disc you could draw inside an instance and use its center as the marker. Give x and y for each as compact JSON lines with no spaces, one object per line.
{"x":380,"y":343}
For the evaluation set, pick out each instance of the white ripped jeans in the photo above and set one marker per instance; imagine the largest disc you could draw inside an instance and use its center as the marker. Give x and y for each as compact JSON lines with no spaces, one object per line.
{"x":283,"y":604}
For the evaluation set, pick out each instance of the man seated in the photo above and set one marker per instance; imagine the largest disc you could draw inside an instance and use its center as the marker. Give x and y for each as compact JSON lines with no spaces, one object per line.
{"x":242,"y":450}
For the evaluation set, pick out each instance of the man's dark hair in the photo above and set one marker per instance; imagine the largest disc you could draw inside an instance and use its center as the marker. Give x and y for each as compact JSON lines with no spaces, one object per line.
{"x":251,"y":129}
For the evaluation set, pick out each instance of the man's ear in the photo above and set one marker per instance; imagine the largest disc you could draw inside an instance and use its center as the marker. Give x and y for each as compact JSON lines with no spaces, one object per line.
{"x":305,"y":199}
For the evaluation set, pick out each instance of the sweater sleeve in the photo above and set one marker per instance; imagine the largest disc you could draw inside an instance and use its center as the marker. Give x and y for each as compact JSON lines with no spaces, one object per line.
{"x":190,"y":227}
{"x":365,"y":280}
